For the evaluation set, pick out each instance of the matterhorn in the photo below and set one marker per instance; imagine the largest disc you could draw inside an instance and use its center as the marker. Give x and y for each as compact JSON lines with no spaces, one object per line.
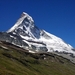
{"x":25,"y":34}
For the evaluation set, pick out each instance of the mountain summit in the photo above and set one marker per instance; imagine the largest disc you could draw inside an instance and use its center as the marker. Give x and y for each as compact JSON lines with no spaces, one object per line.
{"x":37,"y":39}
{"x":24,"y":18}
{"x":27,"y":35}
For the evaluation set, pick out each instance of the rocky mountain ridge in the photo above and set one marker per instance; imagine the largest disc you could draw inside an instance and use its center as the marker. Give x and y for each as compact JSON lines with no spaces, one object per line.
{"x":27,"y":35}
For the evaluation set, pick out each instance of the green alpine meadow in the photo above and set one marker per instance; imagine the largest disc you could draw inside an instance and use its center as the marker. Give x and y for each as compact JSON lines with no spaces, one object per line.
{"x":17,"y":61}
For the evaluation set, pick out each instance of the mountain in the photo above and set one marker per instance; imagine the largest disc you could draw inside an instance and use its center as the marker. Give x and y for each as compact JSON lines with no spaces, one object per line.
{"x":27,"y":35}
{"x":18,"y":61}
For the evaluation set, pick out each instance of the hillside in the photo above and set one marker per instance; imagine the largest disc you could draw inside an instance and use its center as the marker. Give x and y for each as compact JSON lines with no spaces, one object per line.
{"x":25,"y":34}
{"x":17,"y":61}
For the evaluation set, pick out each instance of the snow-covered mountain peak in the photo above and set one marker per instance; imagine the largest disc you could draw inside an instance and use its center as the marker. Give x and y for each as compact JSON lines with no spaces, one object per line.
{"x":25,"y":26}
{"x":26,"y":29}
{"x":27,"y":16}
{"x":25,"y":20}
{"x":23,"y":14}
{"x":27,"y":35}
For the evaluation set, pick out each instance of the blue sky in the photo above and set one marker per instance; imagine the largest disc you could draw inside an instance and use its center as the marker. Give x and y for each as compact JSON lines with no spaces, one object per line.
{"x":55,"y":16}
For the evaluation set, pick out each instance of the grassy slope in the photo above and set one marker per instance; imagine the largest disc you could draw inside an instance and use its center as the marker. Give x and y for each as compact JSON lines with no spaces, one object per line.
{"x":15,"y":61}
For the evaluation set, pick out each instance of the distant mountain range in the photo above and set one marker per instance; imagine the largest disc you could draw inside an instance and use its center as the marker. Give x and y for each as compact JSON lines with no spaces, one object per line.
{"x":27,"y":35}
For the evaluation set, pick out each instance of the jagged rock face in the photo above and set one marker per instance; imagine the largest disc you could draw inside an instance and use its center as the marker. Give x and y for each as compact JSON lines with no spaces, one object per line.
{"x":12,"y":39}
{"x":27,"y":35}
{"x":25,"y":26}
